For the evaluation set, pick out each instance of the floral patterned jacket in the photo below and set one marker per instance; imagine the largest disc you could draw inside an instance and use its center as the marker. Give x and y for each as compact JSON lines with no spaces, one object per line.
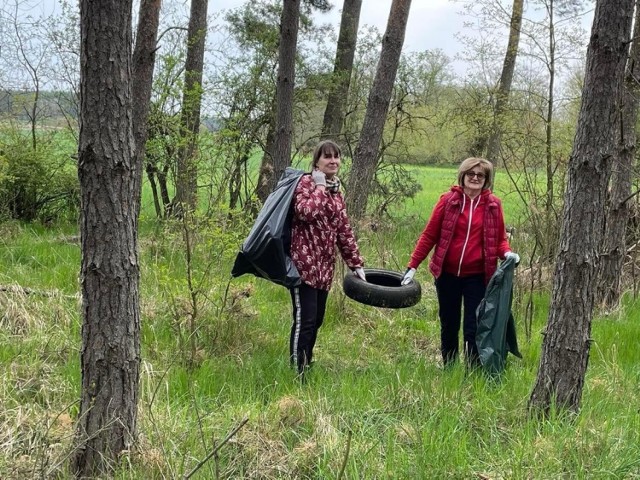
{"x":320,"y":224}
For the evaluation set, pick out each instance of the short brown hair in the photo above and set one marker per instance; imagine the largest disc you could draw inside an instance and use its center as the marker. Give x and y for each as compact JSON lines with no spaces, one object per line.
{"x":471,"y":162}
{"x":326,"y":146}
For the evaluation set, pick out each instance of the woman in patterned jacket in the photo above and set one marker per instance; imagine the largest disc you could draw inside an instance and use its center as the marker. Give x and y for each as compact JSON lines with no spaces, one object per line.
{"x":468,"y":233}
{"x":319,"y":225}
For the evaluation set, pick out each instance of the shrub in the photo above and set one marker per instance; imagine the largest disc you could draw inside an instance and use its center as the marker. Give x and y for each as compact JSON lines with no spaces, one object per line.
{"x":36,"y":183}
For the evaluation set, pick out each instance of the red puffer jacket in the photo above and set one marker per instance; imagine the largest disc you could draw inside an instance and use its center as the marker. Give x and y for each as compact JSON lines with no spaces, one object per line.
{"x":319,"y":224}
{"x":469,"y":235}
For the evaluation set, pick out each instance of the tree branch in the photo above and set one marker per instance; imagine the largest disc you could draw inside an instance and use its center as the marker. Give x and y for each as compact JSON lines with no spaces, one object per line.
{"x":167,"y":31}
{"x":630,"y":197}
{"x":215,"y":450}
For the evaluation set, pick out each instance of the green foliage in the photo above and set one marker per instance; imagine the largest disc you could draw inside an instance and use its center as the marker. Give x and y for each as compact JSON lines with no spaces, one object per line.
{"x":419,"y":108}
{"x":254,"y":25}
{"x":37,"y":183}
{"x":376,"y":386}
{"x":182,"y":265}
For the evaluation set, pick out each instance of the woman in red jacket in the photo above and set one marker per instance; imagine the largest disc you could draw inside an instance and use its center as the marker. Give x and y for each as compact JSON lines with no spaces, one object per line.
{"x":468,"y":232}
{"x":319,"y":224}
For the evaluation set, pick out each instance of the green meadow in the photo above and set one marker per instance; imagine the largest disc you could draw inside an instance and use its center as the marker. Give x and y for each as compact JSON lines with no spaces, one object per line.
{"x":376,"y":405}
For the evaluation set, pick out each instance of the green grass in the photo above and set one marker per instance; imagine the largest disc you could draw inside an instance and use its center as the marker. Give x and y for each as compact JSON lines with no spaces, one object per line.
{"x":37,"y":257}
{"x":376,"y":400}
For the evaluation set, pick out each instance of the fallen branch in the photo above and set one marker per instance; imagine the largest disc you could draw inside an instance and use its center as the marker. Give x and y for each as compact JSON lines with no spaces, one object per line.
{"x":30,"y":291}
{"x":346,"y":456}
{"x":215,"y":450}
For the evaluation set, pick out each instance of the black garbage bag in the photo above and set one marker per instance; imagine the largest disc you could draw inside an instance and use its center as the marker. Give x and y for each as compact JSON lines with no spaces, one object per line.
{"x":496,"y":334}
{"x":265,"y":251}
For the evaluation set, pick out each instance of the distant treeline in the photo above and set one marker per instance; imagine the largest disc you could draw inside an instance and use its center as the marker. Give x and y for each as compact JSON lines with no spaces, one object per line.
{"x":46,"y":105}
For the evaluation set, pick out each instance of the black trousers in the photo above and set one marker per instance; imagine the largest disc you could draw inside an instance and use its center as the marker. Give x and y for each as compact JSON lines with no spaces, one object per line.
{"x":309,"y":305}
{"x":452,"y":291}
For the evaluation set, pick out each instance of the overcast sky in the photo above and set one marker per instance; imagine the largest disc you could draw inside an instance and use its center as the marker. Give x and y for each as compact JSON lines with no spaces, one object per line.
{"x":433,"y":24}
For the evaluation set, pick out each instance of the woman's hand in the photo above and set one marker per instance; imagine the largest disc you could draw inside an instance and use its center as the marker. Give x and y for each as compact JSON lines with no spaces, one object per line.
{"x":359,"y":272}
{"x":408,"y":276}
{"x":513,"y":255}
{"x":319,"y":178}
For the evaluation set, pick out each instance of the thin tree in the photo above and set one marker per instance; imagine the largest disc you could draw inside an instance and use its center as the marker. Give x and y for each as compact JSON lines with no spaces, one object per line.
{"x":343,"y":66}
{"x":506,"y":79}
{"x":144,"y":59}
{"x":549,"y":164}
{"x":614,"y":247}
{"x":187,"y":172}
{"x":365,"y":157}
{"x":24,"y":55}
{"x":110,"y":272}
{"x":278,"y":151}
{"x":565,"y":349}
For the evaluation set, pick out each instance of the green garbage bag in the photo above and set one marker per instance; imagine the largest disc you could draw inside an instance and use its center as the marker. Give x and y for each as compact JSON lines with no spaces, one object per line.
{"x":496,"y":334}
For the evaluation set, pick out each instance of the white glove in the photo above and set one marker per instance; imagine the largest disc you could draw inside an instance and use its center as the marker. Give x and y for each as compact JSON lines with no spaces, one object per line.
{"x":408,"y":276}
{"x":319,"y":177}
{"x":359,"y":272}
{"x":513,"y":255}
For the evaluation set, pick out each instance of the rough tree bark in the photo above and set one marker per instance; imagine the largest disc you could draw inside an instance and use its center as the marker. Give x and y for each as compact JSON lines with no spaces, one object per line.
{"x":506,"y":78}
{"x":186,"y":197}
{"x":144,"y":59}
{"x":365,"y":157}
{"x":565,"y":349}
{"x":274,"y":165}
{"x":263,"y":187}
{"x":614,"y":247}
{"x":343,"y":66}
{"x":109,"y":277}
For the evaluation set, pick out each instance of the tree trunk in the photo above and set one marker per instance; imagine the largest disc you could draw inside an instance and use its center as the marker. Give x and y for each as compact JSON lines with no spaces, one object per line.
{"x":506,"y":78}
{"x":551,"y":218}
{"x":365,"y":157}
{"x":341,"y":78}
{"x":33,"y":116}
{"x":162,"y":176}
{"x":144,"y":58}
{"x":109,"y":277}
{"x":186,"y":197}
{"x":614,"y":248}
{"x":281,"y":153}
{"x":151,"y":175}
{"x":263,"y":187}
{"x":565,"y":349}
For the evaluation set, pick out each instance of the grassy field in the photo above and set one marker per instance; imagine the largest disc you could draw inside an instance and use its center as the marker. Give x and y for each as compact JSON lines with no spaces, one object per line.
{"x":377,"y":404}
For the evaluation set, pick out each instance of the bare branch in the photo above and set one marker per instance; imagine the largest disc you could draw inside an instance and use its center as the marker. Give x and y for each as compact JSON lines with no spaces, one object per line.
{"x":215,"y":450}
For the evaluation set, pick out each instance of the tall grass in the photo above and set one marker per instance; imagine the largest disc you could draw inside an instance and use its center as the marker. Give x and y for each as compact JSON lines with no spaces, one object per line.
{"x":376,"y":405}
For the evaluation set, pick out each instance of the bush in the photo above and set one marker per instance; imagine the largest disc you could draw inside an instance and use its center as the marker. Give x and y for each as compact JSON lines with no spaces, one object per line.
{"x":36,"y":184}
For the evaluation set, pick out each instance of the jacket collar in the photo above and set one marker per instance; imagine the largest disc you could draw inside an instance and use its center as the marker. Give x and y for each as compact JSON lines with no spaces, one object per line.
{"x":458,"y":191}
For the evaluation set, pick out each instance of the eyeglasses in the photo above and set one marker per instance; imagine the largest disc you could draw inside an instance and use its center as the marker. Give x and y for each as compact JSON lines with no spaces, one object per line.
{"x":479,"y":176}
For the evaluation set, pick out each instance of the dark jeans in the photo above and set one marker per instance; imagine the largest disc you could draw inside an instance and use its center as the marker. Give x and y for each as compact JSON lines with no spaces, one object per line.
{"x":308,"y":313}
{"x":452,"y":291}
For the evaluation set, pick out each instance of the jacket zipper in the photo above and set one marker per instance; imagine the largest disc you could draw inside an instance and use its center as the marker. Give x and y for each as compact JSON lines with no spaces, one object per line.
{"x":466,"y":240}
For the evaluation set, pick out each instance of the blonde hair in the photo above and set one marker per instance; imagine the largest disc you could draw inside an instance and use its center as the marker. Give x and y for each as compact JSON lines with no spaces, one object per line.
{"x":471,"y":162}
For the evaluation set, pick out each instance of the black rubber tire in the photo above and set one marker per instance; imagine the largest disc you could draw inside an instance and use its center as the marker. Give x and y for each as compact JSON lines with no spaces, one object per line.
{"x":382,"y":289}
